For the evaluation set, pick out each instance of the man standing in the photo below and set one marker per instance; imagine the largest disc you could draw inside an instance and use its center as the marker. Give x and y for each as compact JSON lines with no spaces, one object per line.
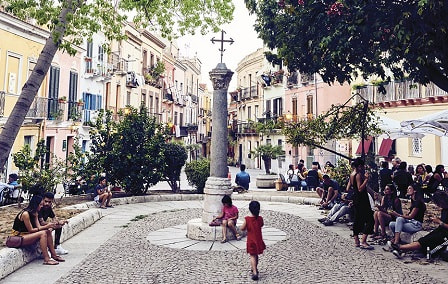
{"x":47,"y":212}
{"x":242,"y":178}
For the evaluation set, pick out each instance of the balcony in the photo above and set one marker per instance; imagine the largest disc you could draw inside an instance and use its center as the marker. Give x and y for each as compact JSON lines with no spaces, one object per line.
{"x":246,"y":128}
{"x":131,"y":80}
{"x":38,"y":109}
{"x":167,"y":97}
{"x":194,"y":99}
{"x":403,"y":93}
{"x":153,"y":78}
{"x":192,"y":127}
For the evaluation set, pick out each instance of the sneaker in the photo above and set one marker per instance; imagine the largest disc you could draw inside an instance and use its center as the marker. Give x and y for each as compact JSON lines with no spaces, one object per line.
{"x":328,"y":223}
{"x":397,"y":253}
{"x":60,"y":250}
{"x":321,"y":220}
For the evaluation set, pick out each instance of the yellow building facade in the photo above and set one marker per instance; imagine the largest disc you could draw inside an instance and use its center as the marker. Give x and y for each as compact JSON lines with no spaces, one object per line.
{"x":20,"y":46}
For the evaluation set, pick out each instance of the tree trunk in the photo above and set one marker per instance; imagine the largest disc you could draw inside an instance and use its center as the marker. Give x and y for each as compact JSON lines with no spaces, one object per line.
{"x":32,"y":85}
{"x":267,"y":165}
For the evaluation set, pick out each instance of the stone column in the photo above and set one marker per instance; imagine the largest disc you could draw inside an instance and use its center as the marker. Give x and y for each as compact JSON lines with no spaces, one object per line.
{"x":217,"y":184}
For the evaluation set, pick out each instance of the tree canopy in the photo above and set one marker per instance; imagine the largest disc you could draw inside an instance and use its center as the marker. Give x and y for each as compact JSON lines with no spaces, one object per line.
{"x":70,"y":22}
{"x":341,"y":39}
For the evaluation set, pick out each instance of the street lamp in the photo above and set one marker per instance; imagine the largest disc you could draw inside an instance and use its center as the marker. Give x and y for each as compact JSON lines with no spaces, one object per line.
{"x":288,"y":116}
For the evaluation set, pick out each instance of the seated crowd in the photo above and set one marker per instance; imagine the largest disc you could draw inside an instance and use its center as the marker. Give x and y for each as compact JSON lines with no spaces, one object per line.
{"x":374,"y":211}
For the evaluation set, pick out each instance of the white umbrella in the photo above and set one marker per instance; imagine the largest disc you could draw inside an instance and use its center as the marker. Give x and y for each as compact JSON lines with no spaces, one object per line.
{"x":393,"y":130}
{"x":436,"y":124}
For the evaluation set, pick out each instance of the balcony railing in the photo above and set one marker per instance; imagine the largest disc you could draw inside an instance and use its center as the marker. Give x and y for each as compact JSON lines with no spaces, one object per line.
{"x":194,"y":99}
{"x":2,"y":103}
{"x":38,"y":109}
{"x":396,"y":91}
{"x":246,"y":128}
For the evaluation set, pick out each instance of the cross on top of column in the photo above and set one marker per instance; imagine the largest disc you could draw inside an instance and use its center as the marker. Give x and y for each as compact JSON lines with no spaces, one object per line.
{"x":222,"y":40}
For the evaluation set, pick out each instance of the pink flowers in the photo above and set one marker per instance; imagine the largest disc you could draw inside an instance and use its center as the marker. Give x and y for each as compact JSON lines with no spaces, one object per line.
{"x":335,"y":9}
{"x":301,"y":2}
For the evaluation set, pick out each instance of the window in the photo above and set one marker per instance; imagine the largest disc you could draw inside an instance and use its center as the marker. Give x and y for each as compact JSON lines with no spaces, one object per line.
{"x":249,"y":113}
{"x":100,"y":53}
{"x":256,"y":111}
{"x":175,"y":118}
{"x":277,"y":107}
{"x":181,"y":119}
{"x":27,"y":140}
{"x":72,"y":94}
{"x":309,"y":105}
{"x":417,"y":146}
{"x":294,"y":107}
{"x":268,"y":108}
{"x":53,"y":91}
{"x":89,"y":56}
{"x":128,"y":98}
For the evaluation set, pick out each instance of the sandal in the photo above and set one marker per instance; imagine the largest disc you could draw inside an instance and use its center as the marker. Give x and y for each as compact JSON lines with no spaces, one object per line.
{"x":103,"y":207}
{"x":379,"y":237}
{"x":238,"y":237}
{"x":58,"y":258}
{"x":366,"y":247}
{"x":223,"y":241}
{"x":50,"y":262}
{"x":110,"y":206}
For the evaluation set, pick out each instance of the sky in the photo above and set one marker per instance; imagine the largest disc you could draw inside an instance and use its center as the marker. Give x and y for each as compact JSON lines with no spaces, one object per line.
{"x":245,"y":38}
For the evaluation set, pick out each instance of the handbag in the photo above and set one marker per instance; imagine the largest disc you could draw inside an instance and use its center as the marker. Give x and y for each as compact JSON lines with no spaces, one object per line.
{"x":216,"y":222}
{"x":14,"y":241}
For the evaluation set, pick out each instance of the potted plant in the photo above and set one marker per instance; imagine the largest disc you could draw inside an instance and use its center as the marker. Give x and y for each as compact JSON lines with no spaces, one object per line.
{"x":80,"y":102}
{"x":62,"y":99}
{"x":268,"y":152}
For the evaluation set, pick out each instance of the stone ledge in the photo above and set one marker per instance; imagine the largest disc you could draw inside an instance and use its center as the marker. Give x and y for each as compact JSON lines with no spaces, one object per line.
{"x":12,"y":259}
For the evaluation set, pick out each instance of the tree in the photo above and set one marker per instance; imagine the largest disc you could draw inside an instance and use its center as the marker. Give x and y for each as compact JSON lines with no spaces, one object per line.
{"x":341,"y":39}
{"x":175,"y":156}
{"x":71,"y":21}
{"x":268,"y":152}
{"x":136,"y":160}
{"x":35,"y":174}
{"x":197,"y":173}
{"x":339,"y":122}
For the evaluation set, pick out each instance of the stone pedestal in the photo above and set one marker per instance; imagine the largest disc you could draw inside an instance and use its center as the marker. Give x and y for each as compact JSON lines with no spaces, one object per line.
{"x":266,"y":181}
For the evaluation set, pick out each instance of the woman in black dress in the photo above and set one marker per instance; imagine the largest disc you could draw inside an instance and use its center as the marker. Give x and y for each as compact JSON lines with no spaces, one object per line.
{"x":363,"y":211}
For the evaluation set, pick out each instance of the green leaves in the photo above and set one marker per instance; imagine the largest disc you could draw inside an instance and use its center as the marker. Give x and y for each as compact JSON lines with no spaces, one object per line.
{"x":350,"y":37}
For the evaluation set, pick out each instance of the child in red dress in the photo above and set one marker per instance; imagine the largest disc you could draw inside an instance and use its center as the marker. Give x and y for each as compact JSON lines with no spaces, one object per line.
{"x":255,"y":244}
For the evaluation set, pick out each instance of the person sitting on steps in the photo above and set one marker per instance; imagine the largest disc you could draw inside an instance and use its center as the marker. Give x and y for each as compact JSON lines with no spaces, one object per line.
{"x":229,"y":216}
{"x":328,"y":192}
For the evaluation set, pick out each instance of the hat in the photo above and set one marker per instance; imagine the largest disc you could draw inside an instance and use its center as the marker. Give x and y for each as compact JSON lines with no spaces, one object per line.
{"x":325,"y":176}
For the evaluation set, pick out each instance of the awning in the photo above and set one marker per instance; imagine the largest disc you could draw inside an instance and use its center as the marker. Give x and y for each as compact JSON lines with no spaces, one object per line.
{"x":366,"y":146}
{"x":385,"y":147}
{"x":436,"y":123}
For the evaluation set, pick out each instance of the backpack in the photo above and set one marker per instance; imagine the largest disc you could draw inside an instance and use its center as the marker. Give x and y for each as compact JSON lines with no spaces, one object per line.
{"x":312,"y":179}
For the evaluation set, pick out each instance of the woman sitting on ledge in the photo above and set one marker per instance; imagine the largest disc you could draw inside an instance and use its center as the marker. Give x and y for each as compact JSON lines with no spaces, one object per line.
{"x":27,"y":225}
{"x":434,"y":238}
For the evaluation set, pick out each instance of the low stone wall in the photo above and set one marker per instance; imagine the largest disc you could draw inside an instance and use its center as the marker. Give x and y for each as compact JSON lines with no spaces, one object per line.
{"x":12,"y":259}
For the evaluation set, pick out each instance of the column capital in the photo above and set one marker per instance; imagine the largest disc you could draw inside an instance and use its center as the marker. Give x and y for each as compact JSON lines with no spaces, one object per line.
{"x":220,"y":77}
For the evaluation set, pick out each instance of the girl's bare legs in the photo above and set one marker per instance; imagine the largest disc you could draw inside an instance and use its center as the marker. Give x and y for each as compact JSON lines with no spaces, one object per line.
{"x":231,"y":225}
{"x":411,"y":246}
{"x":254,"y":266}
{"x":50,"y":244}
{"x":224,"y":230}
{"x":356,"y":240}
{"x":377,"y":222}
{"x":30,"y":239}
{"x":364,"y":239}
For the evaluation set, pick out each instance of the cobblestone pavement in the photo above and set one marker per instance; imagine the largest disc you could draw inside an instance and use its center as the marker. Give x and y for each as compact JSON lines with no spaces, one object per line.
{"x":309,"y":254}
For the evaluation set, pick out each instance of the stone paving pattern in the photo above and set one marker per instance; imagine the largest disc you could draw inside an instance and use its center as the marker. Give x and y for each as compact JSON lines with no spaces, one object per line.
{"x":309,"y":254}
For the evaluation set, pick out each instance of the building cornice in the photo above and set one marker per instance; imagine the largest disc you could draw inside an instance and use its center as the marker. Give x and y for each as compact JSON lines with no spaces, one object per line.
{"x":22,"y":28}
{"x":152,"y":38}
